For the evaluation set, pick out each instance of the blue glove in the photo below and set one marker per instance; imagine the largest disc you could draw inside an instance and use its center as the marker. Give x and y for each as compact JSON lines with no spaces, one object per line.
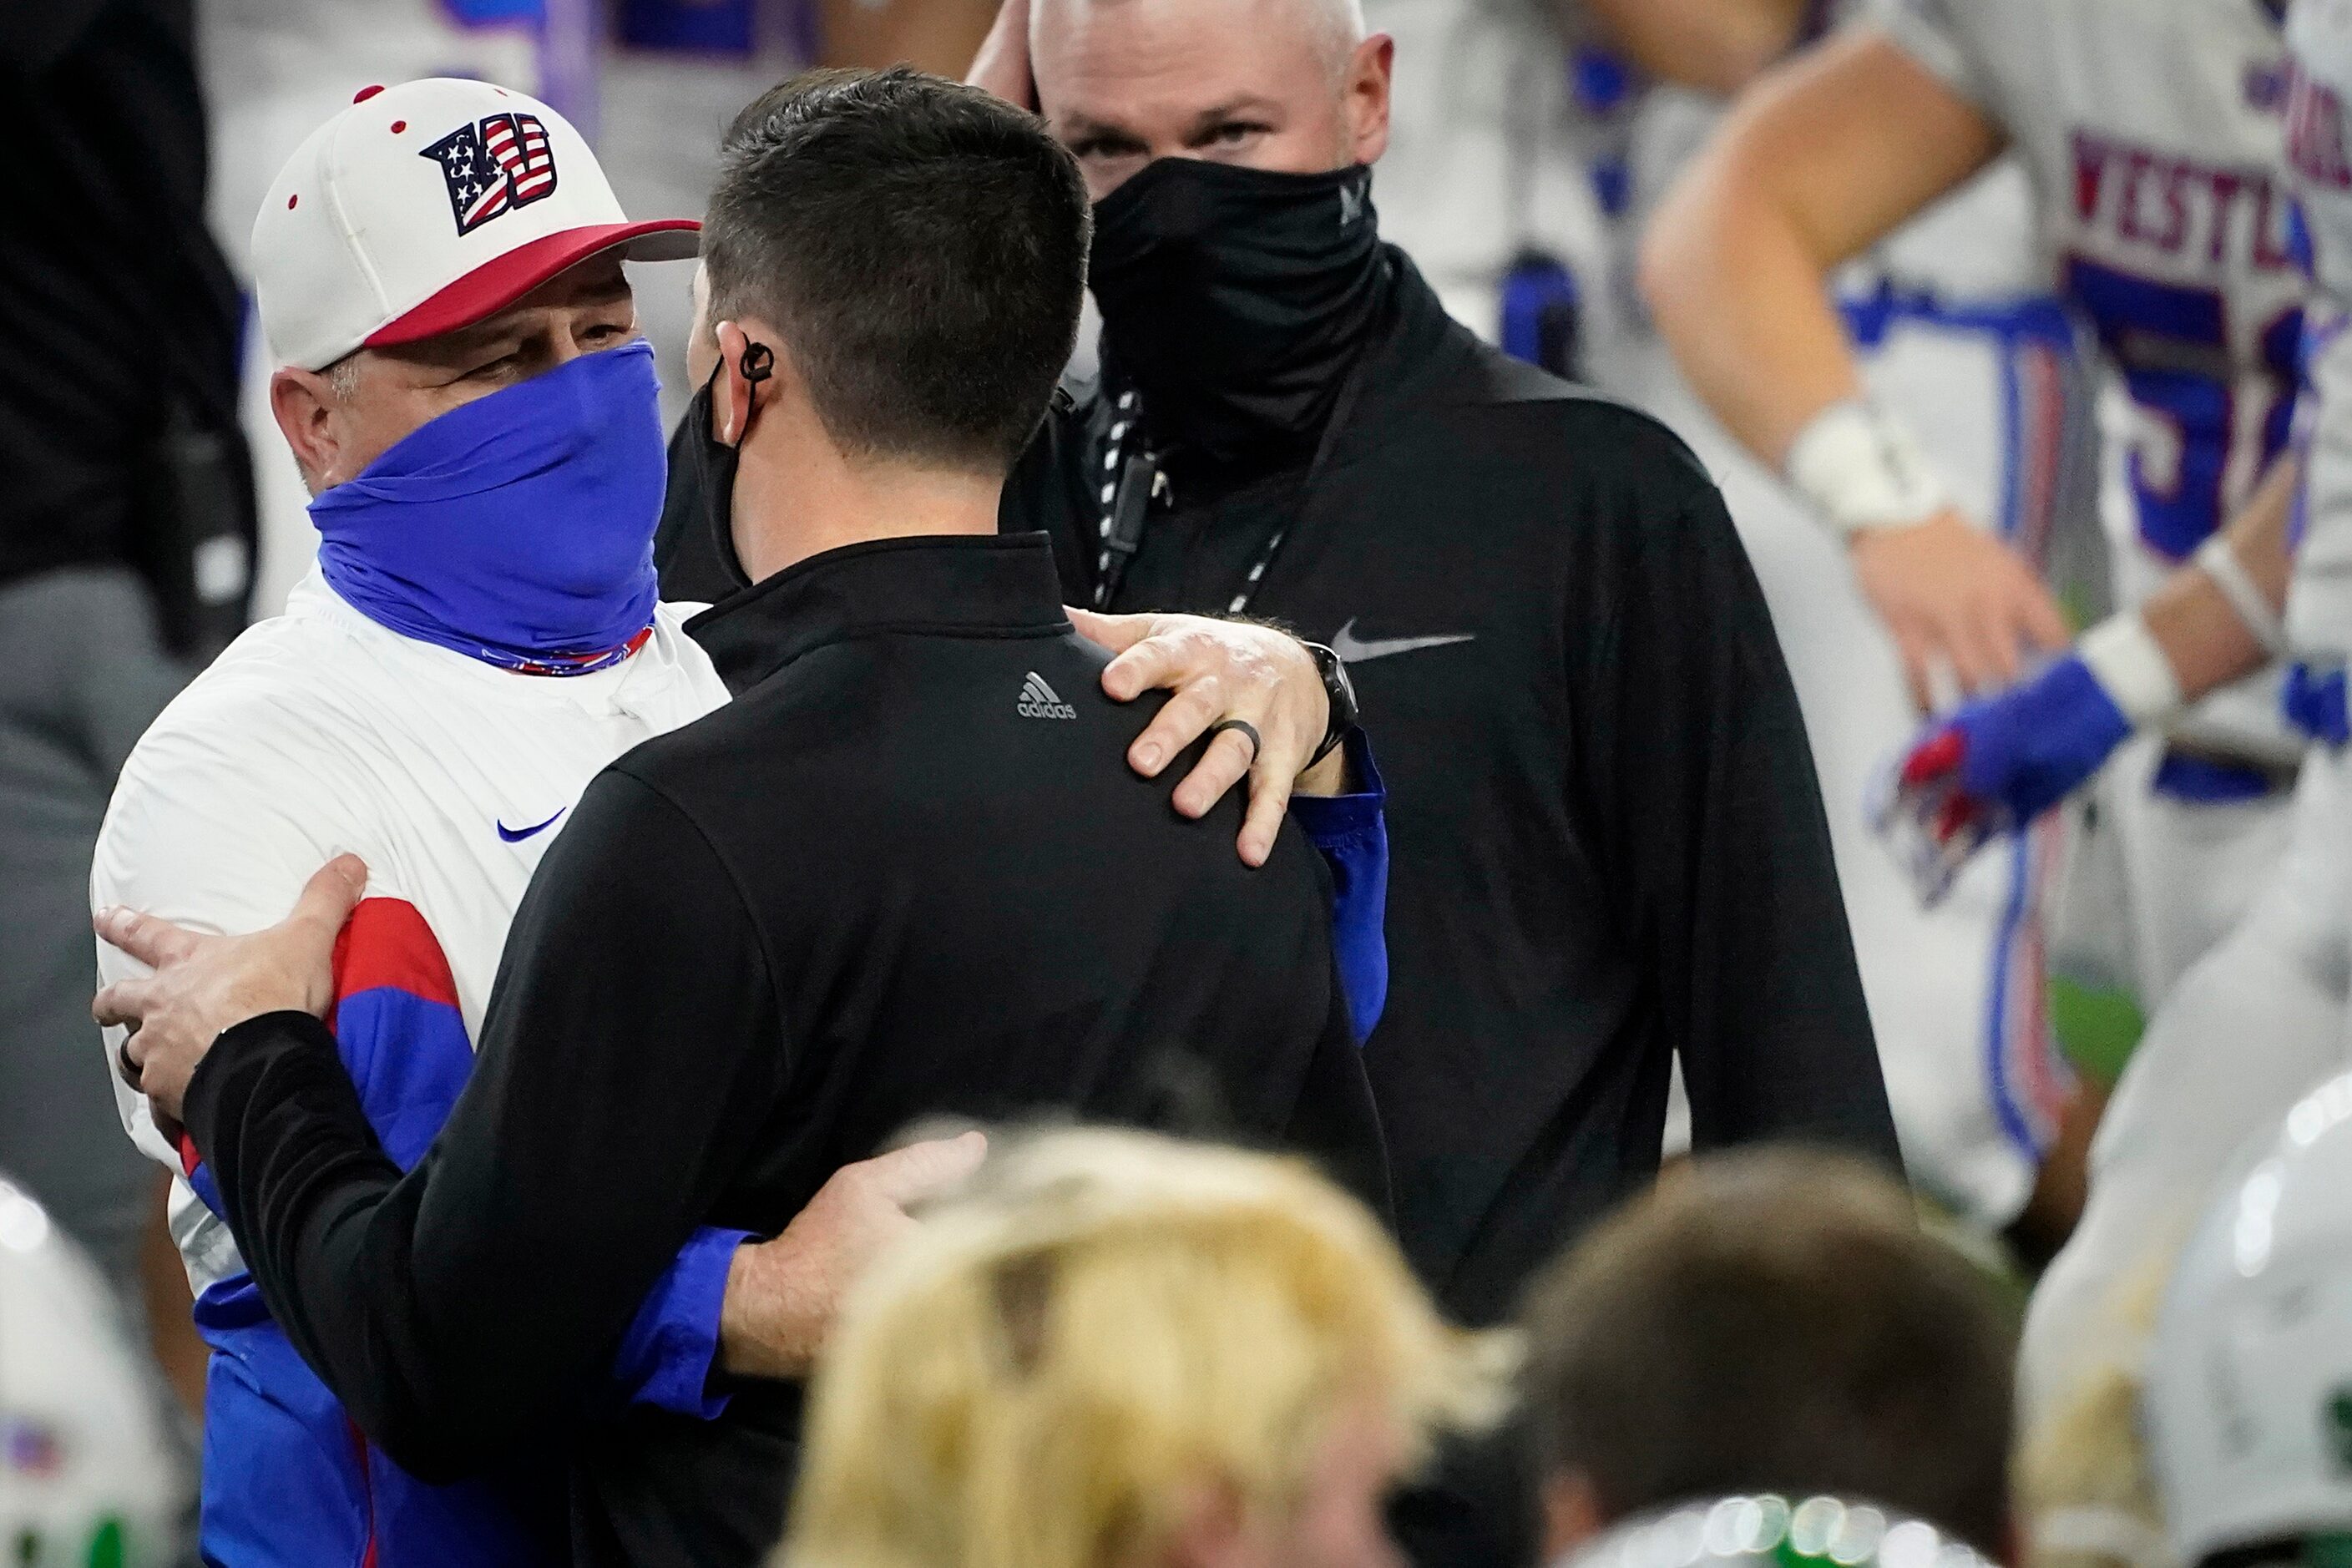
{"x":2314,"y":703}
{"x":1995,"y":766}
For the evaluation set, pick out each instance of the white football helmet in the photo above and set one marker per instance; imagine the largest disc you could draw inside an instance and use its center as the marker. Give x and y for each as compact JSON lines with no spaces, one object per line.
{"x":85,"y":1477}
{"x":2249,"y":1388}
{"x":1765,"y":1531}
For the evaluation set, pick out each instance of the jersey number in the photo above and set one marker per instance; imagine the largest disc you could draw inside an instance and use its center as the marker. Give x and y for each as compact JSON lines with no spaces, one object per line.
{"x":2174,"y":347}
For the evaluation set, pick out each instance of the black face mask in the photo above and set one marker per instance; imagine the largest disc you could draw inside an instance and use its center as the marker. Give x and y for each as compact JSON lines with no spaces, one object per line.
{"x":1236,"y":299}
{"x":703,"y":468}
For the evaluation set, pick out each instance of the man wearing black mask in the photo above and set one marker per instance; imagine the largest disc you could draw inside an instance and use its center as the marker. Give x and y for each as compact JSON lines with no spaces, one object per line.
{"x":1608,"y":847}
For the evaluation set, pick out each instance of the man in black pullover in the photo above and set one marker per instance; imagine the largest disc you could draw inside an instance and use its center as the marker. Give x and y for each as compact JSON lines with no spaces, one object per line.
{"x":1611,"y":856}
{"x":908,"y":872}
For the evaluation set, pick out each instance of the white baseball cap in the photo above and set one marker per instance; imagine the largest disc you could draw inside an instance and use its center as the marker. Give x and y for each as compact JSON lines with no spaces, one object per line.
{"x":426,"y":208}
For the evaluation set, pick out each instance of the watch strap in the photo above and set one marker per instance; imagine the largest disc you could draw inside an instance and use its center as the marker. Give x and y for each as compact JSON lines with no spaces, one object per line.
{"x":1342,"y":694}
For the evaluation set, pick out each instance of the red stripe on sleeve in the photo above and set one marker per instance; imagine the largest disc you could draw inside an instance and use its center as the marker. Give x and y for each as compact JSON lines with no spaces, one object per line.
{"x":387,"y":944}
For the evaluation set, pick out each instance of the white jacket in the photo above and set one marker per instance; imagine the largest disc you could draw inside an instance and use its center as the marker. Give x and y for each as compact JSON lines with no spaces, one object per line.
{"x":318,"y":733}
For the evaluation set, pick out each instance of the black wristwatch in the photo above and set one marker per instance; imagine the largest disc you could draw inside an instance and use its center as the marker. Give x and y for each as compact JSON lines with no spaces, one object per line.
{"x":1342,"y":693}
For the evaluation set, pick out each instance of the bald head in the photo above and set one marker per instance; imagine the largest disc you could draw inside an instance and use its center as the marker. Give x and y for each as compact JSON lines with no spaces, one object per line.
{"x":1287,"y":85}
{"x":1339,"y":23}
{"x":1335,"y":26}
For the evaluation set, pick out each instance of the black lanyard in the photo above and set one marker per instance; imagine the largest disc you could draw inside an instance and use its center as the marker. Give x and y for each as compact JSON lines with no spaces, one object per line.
{"x":1131,"y":483}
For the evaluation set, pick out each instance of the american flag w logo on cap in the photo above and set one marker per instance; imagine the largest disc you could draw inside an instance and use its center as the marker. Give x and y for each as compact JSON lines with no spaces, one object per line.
{"x":351,"y":249}
{"x":498,"y":163}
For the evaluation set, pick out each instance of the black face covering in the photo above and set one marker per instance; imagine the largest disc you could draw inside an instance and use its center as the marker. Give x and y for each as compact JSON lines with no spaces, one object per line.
{"x":1236,"y":299}
{"x":706,"y":487}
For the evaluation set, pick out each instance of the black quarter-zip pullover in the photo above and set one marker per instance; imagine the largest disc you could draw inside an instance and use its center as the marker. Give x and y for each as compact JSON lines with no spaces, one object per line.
{"x":1608,"y":848}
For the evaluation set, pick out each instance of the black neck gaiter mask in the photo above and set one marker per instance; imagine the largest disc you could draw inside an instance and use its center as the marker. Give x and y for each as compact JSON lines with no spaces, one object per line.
{"x":1236,"y":300}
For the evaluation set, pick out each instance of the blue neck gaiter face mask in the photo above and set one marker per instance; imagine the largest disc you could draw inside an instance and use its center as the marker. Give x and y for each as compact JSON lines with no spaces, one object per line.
{"x":517,"y":528}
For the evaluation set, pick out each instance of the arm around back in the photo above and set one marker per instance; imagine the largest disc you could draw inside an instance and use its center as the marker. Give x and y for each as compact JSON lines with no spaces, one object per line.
{"x":629,"y":1054}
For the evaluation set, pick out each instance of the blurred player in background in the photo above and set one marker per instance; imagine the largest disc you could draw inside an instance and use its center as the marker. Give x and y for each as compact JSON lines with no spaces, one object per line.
{"x":2248,"y":1412}
{"x":2260,"y":1016}
{"x":2151,"y":146}
{"x":84,"y":1469}
{"x":2219,"y":1435}
{"x":1533,"y":139}
{"x":1952,"y":327}
{"x":2164,"y":223}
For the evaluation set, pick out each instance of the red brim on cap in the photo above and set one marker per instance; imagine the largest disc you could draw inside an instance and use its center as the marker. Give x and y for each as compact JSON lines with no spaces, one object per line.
{"x":501,"y":281}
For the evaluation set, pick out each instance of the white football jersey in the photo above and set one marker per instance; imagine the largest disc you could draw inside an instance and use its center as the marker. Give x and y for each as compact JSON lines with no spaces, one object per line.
{"x":2153,"y":131}
{"x":319,"y":733}
{"x":2319,"y":601}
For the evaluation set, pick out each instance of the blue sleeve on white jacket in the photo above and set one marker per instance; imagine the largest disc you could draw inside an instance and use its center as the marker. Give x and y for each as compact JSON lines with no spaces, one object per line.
{"x":1352,"y":834}
{"x":403,"y":1042}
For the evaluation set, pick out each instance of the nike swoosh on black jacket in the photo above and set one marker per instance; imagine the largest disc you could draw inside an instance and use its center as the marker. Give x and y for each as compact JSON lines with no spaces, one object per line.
{"x":1607,"y":838}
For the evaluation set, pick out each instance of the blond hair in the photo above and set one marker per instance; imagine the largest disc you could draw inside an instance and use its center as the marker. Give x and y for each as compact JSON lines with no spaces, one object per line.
{"x":1103,"y":1322}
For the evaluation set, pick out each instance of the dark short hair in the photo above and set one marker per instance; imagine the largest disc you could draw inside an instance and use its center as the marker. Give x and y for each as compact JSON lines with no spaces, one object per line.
{"x":1775,"y":1321}
{"x":921,"y":245}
